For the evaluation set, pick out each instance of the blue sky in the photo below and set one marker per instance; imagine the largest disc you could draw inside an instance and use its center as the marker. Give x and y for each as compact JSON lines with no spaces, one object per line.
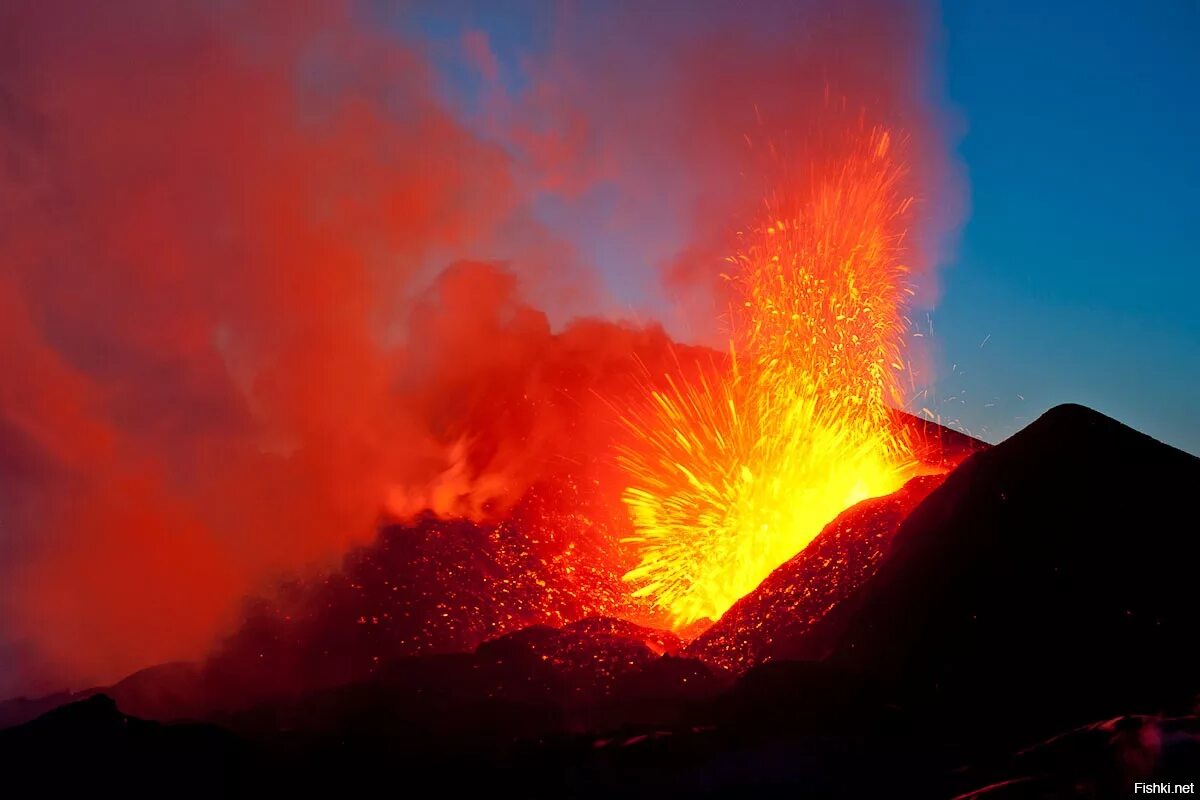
{"x":1079,"y":262}
{"x":1076,"y":276}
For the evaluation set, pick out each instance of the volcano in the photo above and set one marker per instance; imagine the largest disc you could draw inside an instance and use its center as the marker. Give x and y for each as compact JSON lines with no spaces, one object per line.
{"x":514,"y":401}
{"x":1018,"y":621}
{"x":1051,"y":569}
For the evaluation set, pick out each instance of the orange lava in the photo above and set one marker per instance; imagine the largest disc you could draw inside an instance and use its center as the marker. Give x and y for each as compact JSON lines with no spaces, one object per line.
{"x":733,"y":470}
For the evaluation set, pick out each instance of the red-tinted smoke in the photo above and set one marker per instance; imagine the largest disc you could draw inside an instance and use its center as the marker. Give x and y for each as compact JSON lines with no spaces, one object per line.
{"x":223,"y":357}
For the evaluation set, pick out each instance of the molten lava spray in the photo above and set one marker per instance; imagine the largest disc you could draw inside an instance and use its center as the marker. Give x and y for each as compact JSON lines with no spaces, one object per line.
{"x":357,"y":271}
{"x":734,"y":472}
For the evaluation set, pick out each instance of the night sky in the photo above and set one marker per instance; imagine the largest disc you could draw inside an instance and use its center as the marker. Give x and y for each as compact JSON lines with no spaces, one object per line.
{"x":1074,"y":277}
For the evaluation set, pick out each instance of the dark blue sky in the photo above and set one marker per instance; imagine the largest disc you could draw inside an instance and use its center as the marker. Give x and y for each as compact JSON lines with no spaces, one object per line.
{"x":1076,"y":276}
{"x":1080,"y":257}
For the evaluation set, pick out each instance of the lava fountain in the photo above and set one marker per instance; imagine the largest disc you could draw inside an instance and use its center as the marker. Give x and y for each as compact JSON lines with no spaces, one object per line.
{"x":733,"y":470}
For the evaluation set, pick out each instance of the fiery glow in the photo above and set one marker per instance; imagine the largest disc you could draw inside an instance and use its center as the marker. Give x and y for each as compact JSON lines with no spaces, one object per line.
{"x":733,"y":470}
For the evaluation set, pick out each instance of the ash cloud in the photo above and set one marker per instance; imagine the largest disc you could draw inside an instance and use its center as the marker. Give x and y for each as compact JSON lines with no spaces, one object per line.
{"x":225,"y":349}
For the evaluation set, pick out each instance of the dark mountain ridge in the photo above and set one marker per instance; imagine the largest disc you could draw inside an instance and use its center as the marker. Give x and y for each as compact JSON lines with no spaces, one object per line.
{"x":1050,"y":576}
{"x":1027,"y":627}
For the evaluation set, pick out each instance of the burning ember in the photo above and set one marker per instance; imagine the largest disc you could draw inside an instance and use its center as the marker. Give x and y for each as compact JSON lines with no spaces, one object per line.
{"x":732,"y":473}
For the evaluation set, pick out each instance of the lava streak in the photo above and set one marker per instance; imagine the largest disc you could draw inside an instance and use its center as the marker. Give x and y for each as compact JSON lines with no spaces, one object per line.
{"x":733,"y":470}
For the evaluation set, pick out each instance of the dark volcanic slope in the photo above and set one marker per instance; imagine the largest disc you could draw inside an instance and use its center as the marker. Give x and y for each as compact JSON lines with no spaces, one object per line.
{"x":1042,"y":589}
{"x":1052,"y":575}
{"x":92,"y":748}
{"x":777,"y":619}
{"x":590,"y":675}
{"x":934,"y":444}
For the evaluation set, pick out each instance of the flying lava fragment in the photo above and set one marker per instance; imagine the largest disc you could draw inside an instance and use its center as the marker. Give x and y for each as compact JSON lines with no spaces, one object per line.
{"x":733,"y":470}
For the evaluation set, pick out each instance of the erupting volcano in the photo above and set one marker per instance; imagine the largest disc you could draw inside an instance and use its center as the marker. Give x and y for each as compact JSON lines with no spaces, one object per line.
{"x":516,"y":398}
{"x":326,"y":304}
{"x":726,"y":465}
{"x":734,"y":472}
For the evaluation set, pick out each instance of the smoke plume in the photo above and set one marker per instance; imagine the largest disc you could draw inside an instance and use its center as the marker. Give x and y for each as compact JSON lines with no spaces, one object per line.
{"x":266,"y":281}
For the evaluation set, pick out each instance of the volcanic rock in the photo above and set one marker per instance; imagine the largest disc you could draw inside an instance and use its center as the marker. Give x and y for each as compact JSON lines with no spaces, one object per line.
{"x":1048,"y":581}
{"x":424,"y":587}
{"x":89,"y":745}
{"x":1044,"y":584}
{"x":595,"y":674}
{"x":1103,"y":759}
{"x":778,"y":619}
{"x":934,"y":444}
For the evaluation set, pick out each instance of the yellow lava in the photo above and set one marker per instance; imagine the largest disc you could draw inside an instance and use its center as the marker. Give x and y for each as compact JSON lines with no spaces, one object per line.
{"x":733,"y":470}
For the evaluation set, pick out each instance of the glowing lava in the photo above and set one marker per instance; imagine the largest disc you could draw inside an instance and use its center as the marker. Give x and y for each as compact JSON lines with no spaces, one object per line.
{"x":733,"y":470}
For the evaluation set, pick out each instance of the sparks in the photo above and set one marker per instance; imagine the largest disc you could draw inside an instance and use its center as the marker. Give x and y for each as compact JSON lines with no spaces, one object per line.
{"x":733,"y":470}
